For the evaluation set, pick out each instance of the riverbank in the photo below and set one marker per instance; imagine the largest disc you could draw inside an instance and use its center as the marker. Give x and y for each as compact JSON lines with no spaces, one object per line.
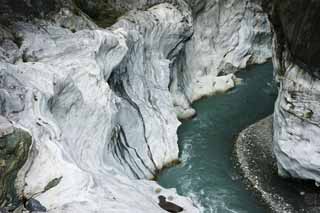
{"x":253,"y":151}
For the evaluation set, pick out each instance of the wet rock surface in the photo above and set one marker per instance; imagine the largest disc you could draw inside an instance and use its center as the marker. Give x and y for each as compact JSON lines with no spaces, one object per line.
{"x":258,"y":164}
{"x":169,"y":206}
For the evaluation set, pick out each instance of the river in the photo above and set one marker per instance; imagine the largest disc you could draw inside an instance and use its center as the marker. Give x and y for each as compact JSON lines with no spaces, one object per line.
{"x":207,"y":172}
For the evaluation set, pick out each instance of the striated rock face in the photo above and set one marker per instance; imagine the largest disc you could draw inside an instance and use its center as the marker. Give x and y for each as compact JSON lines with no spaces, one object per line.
{"x":296,"y":60}
{"x":101,"y":104}
{"x":98,"y":107}
{"x":228,"y":35}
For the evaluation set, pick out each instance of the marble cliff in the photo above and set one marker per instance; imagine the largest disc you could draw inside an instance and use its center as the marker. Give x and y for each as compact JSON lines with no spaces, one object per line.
{"x":94,"y":97}
{"x":296,"y":49}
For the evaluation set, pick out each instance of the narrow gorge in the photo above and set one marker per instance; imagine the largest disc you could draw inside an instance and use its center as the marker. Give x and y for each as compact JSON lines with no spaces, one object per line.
{"x":100,"y":98}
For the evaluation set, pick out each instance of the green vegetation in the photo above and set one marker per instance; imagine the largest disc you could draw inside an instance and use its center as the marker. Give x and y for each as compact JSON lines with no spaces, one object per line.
{"x":14,"y":149}
{"x":54,"y":182}
{"x":308,"y":114}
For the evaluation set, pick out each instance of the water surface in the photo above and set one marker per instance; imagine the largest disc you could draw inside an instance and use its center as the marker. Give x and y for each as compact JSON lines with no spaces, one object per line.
{"x":207,"y":172}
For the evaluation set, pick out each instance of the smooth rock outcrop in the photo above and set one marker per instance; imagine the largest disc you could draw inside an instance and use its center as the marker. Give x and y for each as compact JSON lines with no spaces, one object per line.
{"x":228,"y":36}
{"x":297,"y":112}
{"x":101,"y":104}
{"x":99,"y":110}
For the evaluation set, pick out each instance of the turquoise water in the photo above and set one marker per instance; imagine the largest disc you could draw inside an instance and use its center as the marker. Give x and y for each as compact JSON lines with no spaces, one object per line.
{"x":207,"y":172}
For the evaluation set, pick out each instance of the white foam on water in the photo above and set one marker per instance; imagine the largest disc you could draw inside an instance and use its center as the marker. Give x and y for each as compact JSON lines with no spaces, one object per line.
{"x":196,"y":200}
{"x":187,"y":149}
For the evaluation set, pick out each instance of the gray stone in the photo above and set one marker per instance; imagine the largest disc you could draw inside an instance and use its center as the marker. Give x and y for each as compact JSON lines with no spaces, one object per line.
{"x":34,"y":205}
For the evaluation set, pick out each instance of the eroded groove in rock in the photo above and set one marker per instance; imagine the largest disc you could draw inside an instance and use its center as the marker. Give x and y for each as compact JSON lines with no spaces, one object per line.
{"x":116,"y":84}
{"x":83,"y":124}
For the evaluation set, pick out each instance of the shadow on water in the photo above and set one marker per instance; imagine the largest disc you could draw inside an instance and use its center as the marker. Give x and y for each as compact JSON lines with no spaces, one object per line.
{"x":207,"y":172}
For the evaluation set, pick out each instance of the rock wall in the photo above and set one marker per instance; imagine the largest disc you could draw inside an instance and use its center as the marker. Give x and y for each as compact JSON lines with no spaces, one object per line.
{"x":228,"y":36}
{"x":296,"y":61}
{"x":101,"y":104}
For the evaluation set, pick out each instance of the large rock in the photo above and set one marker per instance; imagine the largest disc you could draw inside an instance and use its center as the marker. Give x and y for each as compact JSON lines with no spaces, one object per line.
{"x":297,"y":111}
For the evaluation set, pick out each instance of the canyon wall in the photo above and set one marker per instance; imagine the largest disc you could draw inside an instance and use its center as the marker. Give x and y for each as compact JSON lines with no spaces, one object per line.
{"x":97,"y":105}
{"x":296,"y":49}
{"x":228,"y":36}
{"x":101,"y":104}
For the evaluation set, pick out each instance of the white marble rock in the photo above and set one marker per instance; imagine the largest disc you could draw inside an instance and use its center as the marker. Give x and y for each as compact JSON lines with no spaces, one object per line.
{"x":229,"y":35}
{"x":97,"y":105}
{"x":101,"y":104}
{"x":296,"y":123}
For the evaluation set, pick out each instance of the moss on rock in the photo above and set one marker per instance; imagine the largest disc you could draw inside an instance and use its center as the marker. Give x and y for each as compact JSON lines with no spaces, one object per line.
{"x":14,"y":150}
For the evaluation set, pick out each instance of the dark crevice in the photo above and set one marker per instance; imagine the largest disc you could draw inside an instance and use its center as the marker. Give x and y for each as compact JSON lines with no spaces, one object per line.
{"x":116,"y":148}
{"x":127,"y":145}
{"x":120,"y":147}
{"x":116,"y":83}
